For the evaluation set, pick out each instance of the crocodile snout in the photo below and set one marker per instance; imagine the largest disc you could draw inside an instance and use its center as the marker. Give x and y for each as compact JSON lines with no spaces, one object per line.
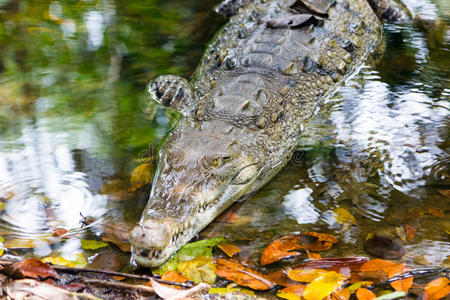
{"x":152,"y":234}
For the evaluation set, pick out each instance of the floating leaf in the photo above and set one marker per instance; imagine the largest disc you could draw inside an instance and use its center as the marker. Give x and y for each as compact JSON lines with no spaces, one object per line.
{"x":437,"y":289}
{"x":229,"y":249}
{"x":323,"y":285}
{"x":383,"y":247}
{"x":141,"y":175}
{"x":436,"y":212}
{"x":166,"y":292}
{"x":285,"y":246}
{"x":199,"y":269}
{"x":188,"y":252}
{"x":92,"y":244}
{"x":242,"y":275}
{"x":364,"y":294}
{"x":35,"y":269}
{"x":402,"y":285}
{"x":344,"y":217}
{"x":307,"y":275}
{"x":342,"y":294}
{"x":173,"y":277}
{"x":60,"y":261}
{"x":227,"y":290}
{"x":390,"y":296}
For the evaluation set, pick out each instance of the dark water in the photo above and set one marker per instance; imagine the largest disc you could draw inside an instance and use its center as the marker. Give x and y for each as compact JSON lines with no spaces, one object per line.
{"x":75,"y":121}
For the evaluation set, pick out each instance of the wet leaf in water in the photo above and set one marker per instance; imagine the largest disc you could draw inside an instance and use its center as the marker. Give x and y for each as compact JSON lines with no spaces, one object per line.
{"x":35,"y":269}
{"x":401,"y":233}
{"x":383,"y":247}
{"x":410,"y":232}
{"x":445,"y":193}
{"x":199,"y":269}
{"x":394,"y":295}
{"x":242,"y":275}
{"x":437,"y":289}
{"x":364,"y":294}
{"x":227,"y":290}
{"x":229,"y":249}
{"x":166,"y":292}
{"x":342,"y":294}
{"x":188,"y":252}
{"x":174,"y":277}
{"x":323,"y":285}
{"x":307,"y":275}
{"x":280,"y":277}
{"x":344,"y":217}
{"x":117,"y":190}
{"x":79,"y":262}
{"x":436,"y":212}
{"x":285,"y":246}
{"x":141,"y":175}
{"x":402,"y":285}
{"x":227,"y":217}
{"x":292,"y":292}
{"x":313,"y":255}
{"x":92,"y":244}
{"x":352,"y":288}
{"x":61,"y":232}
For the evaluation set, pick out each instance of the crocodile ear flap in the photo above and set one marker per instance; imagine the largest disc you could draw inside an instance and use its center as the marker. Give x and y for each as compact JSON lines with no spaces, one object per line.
{"x":172,"y":91}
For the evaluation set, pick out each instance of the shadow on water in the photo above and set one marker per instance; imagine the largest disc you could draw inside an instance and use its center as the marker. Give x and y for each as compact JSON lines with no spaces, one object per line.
{"x":75,"y":121}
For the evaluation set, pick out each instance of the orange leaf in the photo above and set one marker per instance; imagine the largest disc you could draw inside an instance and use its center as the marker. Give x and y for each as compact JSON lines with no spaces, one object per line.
{"x":342,"y":294}
{"x":229,"y":249}
{"x":364,"y":294}
{"x":285,"y":246}
{"x":437,"y":289}
{"x":173,"y":277}
{"x":227,"y":217}
{"x":402,"y":285}
{"x":378,"y":269}
{"x":313,"y":255}
{"x":35,"y":269}
{"x":296,"y":289}
{"x":437,"y":212}
{"x":410,"y":232}
{"x":307,"y":275}
{"x":281,"y":278}
{"x":242,"y":275}
{"x":61,"y":232}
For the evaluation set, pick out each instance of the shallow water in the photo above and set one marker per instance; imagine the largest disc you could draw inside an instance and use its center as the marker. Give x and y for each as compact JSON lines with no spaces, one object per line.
{"x":75,"y":121}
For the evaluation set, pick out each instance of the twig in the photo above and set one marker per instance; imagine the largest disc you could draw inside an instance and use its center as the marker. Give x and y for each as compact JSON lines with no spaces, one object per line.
{"x":120,"y":285}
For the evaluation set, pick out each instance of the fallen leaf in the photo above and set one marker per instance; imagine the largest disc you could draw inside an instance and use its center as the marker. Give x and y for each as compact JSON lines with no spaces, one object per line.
{"x":188,"y":252}
{"x":173,"y":277}
{"x":229,"y":249}
{"x":292,"y":292}
{"x":401,"y":233}
{"x":378,"y":269}
{"x":199,"y":269}
{"x":305,"y":275}
{"x":34,"y":268}
{"x":227,"y":217}
{"x":436,"y":212}
{"x":242,"y":275}
{"x":118,"y":278}
{"x":402,"y":285}
{"x":60,"y":261}
{"x":410,"y":232}
{"x":92,"y":244}
{"x":323,"y":285}
{"x":117,"y":190}
{"x":313,"y":255}
{"x":437,"y":289}
{"x":166,"y":292}
{"x":280,"y":277}
{"x":342,"y":294}
{"x":383,"y":247}
{"x":60,"y":232}
{"x":355,"y":286}
{"x":141,"y":175}
{"x":445,"y":193}
{"x":344,"y":217}
{"x":227,"y":290}
{"x":285,"y":246}
{"x":118,"y":234}
{"x":364,"y":294}
{"x":390,"y":296}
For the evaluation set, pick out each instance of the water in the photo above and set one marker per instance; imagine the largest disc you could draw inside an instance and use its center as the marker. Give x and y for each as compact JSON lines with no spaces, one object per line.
{"x":75,"y":121}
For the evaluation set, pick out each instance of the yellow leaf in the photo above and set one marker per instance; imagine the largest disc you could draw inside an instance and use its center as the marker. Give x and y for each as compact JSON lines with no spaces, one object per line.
{"x":225,"y":290}
{"x":289,"y":296}
{"x":323,"y":285}
{"x":352,"y":288}
{"x":141,"y":175}
{"x":60,"y":261}
{"x":344,"y":217}
{"x":307,"y":275}
{"x":200,"y":269}
{"x":229,"y":249}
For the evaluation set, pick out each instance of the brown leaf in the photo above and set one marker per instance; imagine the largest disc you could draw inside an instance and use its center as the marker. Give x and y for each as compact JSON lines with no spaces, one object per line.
{"x":437,"y":289}
{"x":410,"y":232}
{"x":379,"y":269}
{"x":402,"y":285}
{"x":242,"y":275}
{"x":227,"y":217}
{"x":364,"y":294}
{"x":445,"y":193}
{"x":436,"y":212}
{"x":229,"y":249}
{"x":280,"y":277}
{"x":342,"y":294}
{"x":383,"y":247}
{"x":61,"y":232}
{"x":285,"y":246}
{"x":296,"y":289}
{"x":313,"y":255}
{"x":34,"y":268}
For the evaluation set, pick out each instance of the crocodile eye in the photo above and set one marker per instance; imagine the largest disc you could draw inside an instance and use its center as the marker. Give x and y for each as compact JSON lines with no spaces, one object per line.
{"x":216,"y":162}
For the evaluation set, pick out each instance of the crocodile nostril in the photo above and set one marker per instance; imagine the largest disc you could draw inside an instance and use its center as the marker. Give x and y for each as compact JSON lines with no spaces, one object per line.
{"x":144,"y":253}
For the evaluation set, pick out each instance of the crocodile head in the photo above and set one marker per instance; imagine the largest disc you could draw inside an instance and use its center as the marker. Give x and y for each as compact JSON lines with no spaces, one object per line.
{"x":200,"y":173}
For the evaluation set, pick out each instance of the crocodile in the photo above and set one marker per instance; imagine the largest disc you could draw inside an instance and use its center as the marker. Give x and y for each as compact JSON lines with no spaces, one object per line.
{"x":261,"y":80}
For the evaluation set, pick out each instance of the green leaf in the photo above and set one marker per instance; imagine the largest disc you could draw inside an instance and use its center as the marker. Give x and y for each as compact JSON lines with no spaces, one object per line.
{"x":188,"y":252}
{"x":92,"y":244}
{"x":390,"y":296}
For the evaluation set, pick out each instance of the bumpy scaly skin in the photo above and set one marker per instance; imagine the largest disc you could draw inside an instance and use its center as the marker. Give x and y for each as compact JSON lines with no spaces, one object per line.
{"x":255,"y":89}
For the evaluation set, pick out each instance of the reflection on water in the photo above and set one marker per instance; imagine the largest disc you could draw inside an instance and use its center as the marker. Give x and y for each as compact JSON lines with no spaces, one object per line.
{"x":75,"y":121}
